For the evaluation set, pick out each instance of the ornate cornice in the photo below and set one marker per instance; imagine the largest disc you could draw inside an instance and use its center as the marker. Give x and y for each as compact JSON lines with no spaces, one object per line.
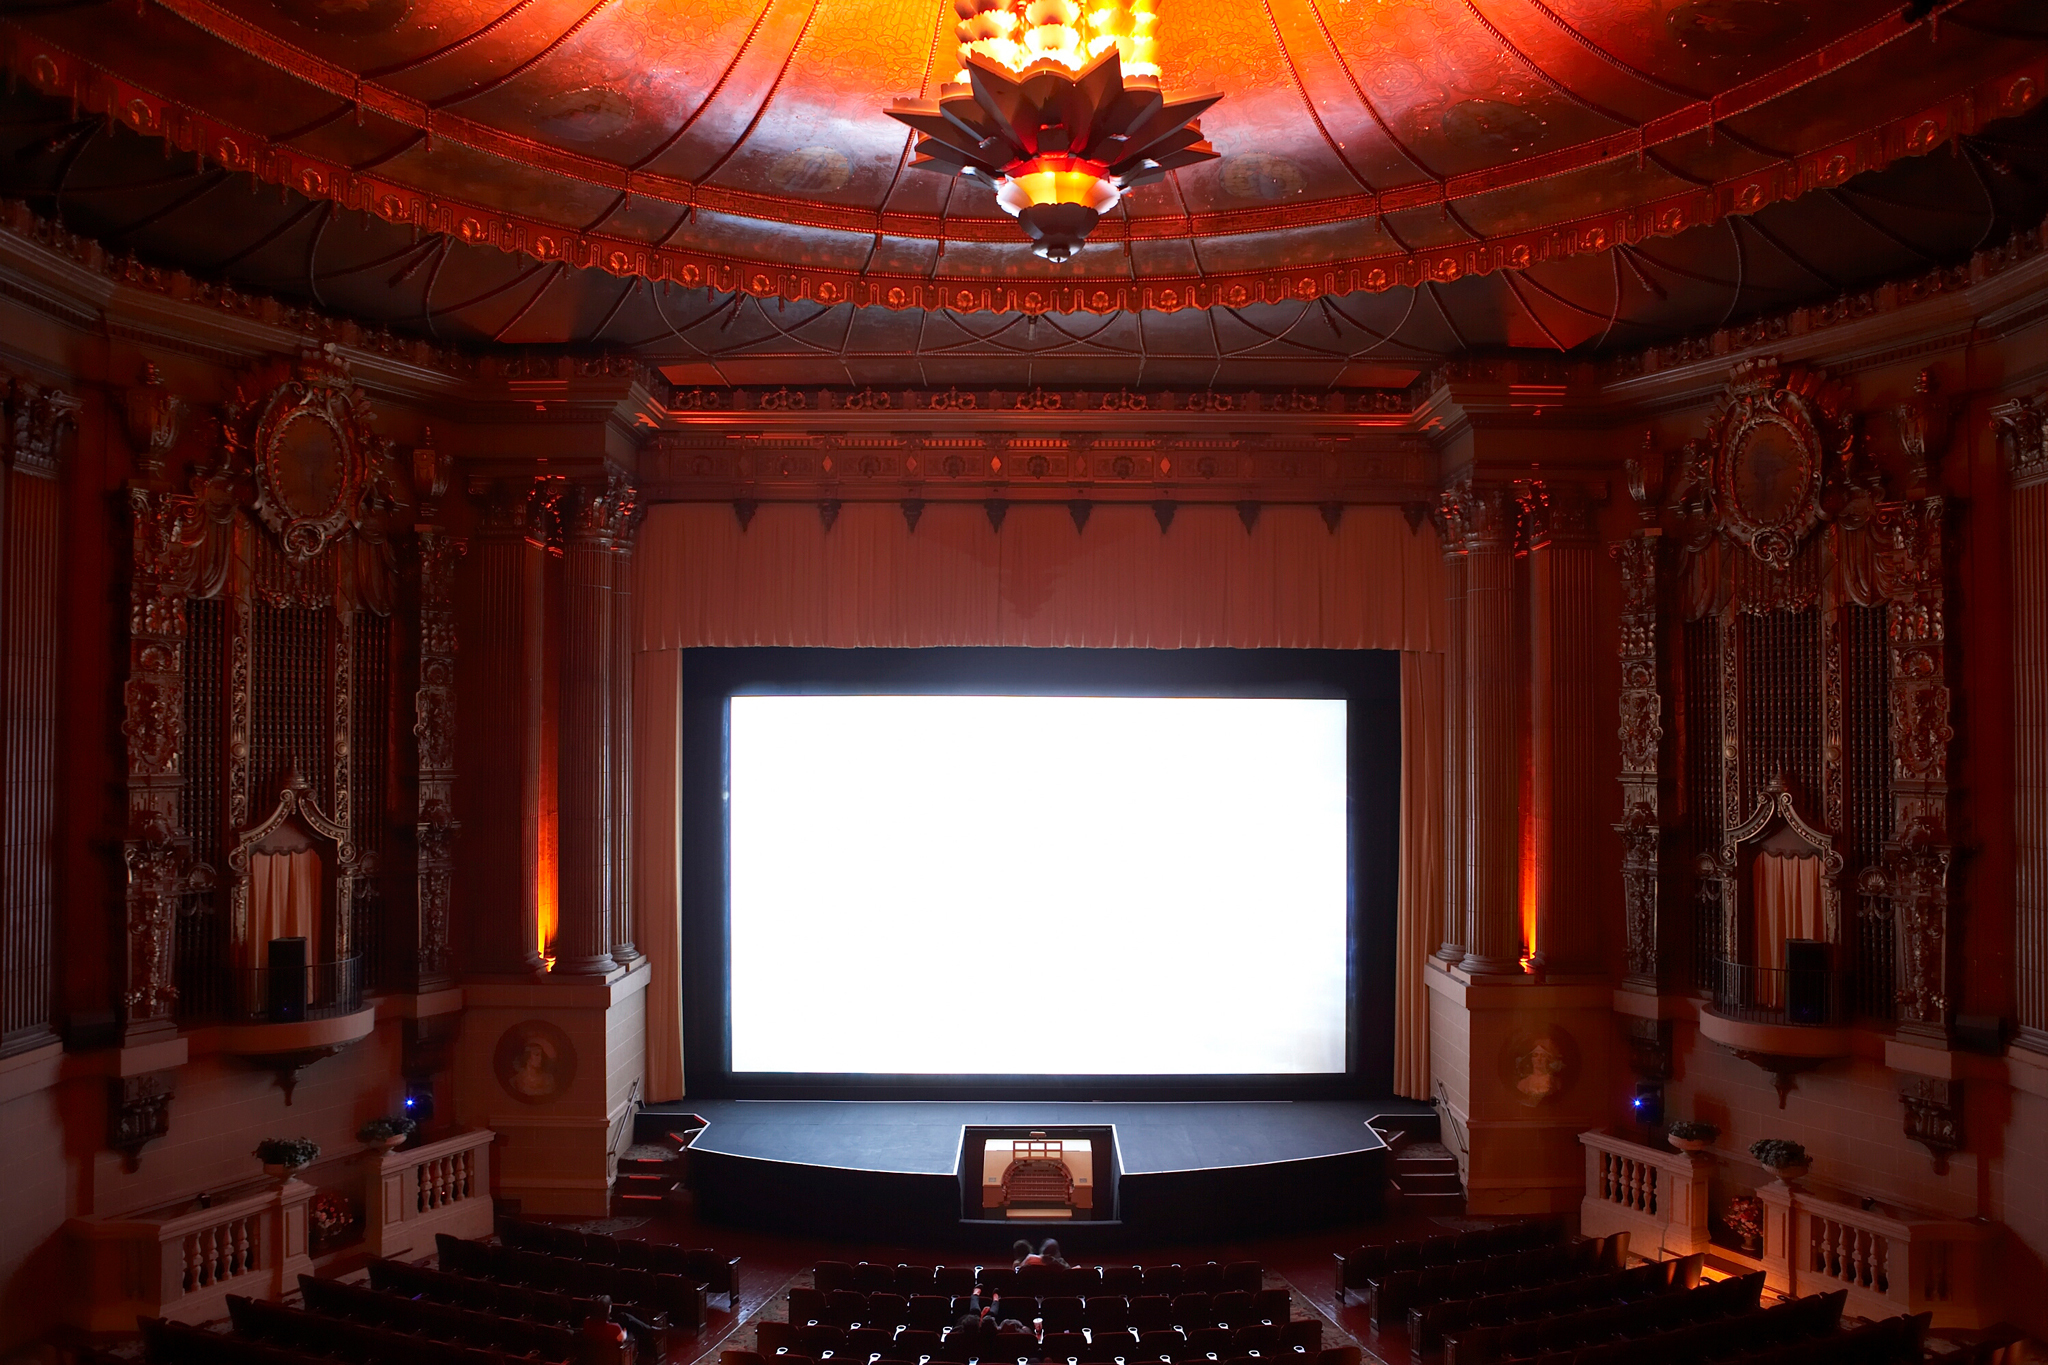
{"x":76,"y":76}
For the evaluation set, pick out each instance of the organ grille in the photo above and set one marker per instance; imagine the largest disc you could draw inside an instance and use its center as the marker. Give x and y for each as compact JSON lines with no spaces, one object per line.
{"x":202,"y":930}
{"x":1781,"y":697}
{"x":369,"y":793}
{"x":292,"y":663}
{"x":1703,"y":818}
{"x":1867,"y":683}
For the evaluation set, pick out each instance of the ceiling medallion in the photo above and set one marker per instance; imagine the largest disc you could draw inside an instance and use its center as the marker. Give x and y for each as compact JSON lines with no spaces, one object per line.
{"x":1059,"y":109}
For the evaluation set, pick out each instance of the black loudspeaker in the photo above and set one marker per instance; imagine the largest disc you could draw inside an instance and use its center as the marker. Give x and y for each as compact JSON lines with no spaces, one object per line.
{"x":287,"y":980}
{"x":1806,"y":981}
{"x":1648,"y":1105}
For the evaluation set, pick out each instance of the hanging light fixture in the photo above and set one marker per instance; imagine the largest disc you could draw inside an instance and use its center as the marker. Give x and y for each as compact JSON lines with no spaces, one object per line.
{"x":1057,"y":105}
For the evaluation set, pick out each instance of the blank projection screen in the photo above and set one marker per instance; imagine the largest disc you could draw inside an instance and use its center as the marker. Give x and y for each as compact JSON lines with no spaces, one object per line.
{"x":1037,"y":886}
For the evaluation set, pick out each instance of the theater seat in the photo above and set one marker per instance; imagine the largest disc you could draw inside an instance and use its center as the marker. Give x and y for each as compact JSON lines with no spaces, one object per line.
{"x":1163,"y":1279}
{"x":830,"y":1275}
{"x":1123,"y":1279}
{"x":1107,"y":1312}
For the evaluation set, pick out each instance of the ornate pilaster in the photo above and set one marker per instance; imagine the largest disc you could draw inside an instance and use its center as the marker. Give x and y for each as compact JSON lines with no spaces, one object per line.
{"x":433,"y":727}
{"x":1450,"y":525}
{"x":1492,"y":737}
{"x":597,"y":518}
{"x":167,"y":533}
{"x":1918,"y":856}
{"x":1641,"y":733}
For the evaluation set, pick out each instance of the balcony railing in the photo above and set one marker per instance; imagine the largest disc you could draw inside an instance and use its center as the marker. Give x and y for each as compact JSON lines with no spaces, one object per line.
{"x":266,"y":995}
{"x":1777,"y":995}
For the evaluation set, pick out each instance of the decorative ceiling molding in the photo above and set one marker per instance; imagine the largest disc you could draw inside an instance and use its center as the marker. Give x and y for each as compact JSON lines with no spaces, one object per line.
{"x":182,"y":125}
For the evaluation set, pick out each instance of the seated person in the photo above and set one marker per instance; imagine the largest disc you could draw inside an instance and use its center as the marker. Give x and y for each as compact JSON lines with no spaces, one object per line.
{"x":1049,"y":1254}
{"x":1023,"y":1254}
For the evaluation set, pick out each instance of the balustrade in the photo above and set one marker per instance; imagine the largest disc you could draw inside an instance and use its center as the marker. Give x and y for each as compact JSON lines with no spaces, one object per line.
{"x":1890,"y":1260}
{"x":442,"y":1186}
{"x":1658,"y":1197}
{"x":182,"y":1261}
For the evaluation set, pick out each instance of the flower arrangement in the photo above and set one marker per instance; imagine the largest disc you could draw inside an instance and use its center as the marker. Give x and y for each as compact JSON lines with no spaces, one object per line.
{"x":328,"y":1215}
{"x":287,"y":1153}
{"x":1694,"y":1130}
{"x":1745,"y":1218}
{"x":383,"y":1131}
{"x":1779,"y":1153}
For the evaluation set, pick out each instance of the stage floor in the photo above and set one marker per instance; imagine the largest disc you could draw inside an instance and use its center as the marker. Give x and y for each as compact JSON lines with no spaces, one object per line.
{"x":922,"y":1137}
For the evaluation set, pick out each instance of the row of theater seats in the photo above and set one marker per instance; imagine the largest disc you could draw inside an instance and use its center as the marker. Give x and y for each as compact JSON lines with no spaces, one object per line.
{"x":580,"y":1303}
{"x":1061,"y":1312}
{"x":718,"y":1274}
{"x":1356,"y":1269}
{"x":875,"y":1277}
{"x":1531,"y":1293}
{"x":836,"y":1321}
{"x":681,"y":1301}
{"x":1653,"y":1291}
{"x":1393,"y":1294}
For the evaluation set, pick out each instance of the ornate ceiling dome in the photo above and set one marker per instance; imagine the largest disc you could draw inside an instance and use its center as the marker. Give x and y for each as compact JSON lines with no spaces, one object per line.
{"x":740,"y":145}
{"x":715,"y":188}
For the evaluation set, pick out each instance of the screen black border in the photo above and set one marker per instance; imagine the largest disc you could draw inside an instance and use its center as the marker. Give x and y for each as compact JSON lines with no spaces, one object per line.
{"x":1368,"y":679}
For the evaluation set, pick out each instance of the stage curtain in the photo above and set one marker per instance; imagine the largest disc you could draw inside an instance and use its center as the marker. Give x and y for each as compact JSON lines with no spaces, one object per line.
{"x":657,"y":704}
{"x":1420,"y":914}
{"x":1290,"y":582}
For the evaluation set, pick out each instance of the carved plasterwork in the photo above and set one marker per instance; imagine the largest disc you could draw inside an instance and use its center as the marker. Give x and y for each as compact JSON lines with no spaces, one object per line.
{"x":138,"y":1113}
{"x":1641,"y":737}
{"x":313,"y":454}
{"x":1779,"y":809}
{"x":38,"y":417}
{"x":156,"y":417}
{"x":2022,"y":427}
{"x":1759,"y":480}
{"x":295,"y":802}
{"x":1934,"y":1115}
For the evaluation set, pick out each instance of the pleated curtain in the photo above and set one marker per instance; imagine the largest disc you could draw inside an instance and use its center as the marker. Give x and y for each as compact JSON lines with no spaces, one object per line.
{"x":284,"y":902}
{"x":1117,"y":581}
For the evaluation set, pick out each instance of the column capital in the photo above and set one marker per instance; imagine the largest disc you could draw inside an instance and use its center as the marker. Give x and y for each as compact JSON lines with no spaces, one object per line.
{"x":1555,"y":512}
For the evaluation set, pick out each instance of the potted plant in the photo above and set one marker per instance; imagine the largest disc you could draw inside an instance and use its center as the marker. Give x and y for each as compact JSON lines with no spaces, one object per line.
{"x":1692,"y":1135}
{"x":1745,"y":1221}
{"x":282,"y":1156}
{"x":1785,"y":1159}
{"x":386,"y":1133}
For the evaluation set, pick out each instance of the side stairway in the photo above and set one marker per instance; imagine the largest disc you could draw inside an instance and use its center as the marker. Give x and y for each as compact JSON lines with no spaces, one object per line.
{"x":654,"y":1173}
{"x":1423,"y":1175}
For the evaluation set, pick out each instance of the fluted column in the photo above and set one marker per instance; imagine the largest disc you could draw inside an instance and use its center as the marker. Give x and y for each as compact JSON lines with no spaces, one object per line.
{"x":1564,"y":647}
{"x":30,"y":562}
{"x":502,"y":693}
{"x":2023,"y":425}
{"x":584,"y":765}
{"x":1450,"y":522}
{"x":622,"y":931}
{"x":1492,"y":735}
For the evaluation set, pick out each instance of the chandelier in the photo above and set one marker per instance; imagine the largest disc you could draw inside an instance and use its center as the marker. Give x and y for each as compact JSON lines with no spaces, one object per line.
{"x":1057,"y":106}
